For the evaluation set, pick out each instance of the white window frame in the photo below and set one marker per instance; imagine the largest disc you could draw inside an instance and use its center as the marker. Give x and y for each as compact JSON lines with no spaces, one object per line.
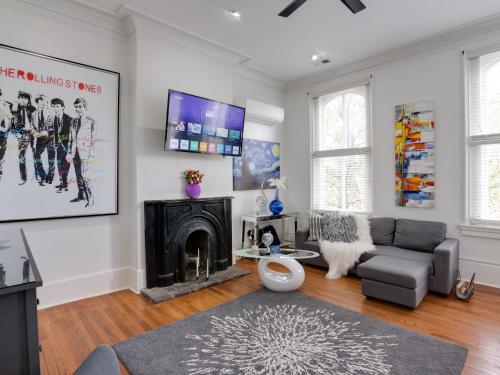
{"x":368,"y":150}
{"x":475,"y":227}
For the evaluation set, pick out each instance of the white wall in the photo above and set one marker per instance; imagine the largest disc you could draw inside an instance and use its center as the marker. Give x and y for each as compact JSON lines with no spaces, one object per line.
{"x":77,"y":257}
{"x":244,"y":202}
{"x":89,"y":256}
{"x":436,"y":76}
{"x":163,"y":65}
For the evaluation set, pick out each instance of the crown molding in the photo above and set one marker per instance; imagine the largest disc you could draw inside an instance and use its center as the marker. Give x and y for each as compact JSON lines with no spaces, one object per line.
{"x":127,"y":20}
{"x":255,"y":75}
{"x":135,"y":20}
{"x":73,"y":12}
{"x":458,"y":37}
{"x":92,"y":7}
{"x":152,"y":25}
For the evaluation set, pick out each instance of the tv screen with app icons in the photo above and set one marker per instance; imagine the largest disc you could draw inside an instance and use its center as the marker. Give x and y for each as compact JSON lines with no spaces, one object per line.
{"x":196,"y":124}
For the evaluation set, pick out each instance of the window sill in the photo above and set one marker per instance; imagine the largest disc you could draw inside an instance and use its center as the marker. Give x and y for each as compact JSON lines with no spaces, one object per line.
{"x":480,"y":231}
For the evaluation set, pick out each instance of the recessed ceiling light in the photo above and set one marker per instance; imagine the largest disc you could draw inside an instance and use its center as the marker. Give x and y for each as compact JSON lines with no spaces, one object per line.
{"x":319,"y":59}
{"x":235,"y":14}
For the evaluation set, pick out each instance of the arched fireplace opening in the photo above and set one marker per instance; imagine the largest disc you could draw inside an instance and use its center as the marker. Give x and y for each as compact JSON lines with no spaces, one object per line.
{"x":197,"y":243}
{"x":197,"y":255}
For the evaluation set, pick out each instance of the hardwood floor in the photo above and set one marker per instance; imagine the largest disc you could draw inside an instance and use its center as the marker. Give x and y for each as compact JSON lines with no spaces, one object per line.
{"x":68,"y":333}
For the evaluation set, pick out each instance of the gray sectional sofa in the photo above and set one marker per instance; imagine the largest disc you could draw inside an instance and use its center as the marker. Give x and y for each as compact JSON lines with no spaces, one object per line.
{"x":411,"y":257}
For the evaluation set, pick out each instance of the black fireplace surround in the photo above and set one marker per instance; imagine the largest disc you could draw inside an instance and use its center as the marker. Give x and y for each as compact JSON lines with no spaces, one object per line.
{"x":168,"y":226}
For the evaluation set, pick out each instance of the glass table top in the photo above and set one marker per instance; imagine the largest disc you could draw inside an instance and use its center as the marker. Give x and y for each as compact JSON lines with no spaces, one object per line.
{"x":15,"y":268}
{"x":285,"y":253}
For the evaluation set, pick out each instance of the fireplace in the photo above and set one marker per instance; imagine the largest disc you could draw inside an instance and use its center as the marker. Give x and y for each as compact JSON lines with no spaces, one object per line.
{"x":186,"y":239}
{"x":195,"y":256}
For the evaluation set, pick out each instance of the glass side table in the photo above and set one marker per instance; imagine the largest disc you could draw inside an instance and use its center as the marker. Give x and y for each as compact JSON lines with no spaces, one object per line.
{"x":260,"y":220}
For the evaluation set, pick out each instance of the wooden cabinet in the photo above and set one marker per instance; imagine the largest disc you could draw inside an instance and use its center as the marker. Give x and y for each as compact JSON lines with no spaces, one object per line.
{"x":19,"y":278}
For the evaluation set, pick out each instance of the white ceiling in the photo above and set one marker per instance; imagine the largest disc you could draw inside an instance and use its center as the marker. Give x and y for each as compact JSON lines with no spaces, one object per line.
{"x":282,"y":46}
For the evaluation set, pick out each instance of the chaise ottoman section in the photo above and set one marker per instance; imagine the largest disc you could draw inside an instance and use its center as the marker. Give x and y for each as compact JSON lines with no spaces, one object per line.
{"x":395,"y":280}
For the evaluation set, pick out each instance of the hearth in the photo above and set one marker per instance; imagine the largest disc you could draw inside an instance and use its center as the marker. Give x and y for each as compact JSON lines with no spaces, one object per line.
{"x":186,"y":239}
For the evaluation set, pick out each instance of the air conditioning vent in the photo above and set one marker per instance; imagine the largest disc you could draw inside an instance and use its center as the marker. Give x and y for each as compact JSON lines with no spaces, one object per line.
{"x":262,"y":113}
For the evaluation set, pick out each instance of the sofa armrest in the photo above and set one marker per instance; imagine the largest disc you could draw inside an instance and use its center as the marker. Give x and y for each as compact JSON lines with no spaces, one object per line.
{"x":301,"y":236}
{"x":446,"y":257}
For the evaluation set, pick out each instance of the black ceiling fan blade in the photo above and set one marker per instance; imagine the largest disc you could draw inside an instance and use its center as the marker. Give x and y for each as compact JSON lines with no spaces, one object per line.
{"x":292,"y":7}
{"x":354,"y":6}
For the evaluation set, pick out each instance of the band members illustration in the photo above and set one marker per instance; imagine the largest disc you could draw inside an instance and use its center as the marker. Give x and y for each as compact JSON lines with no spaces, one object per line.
{"x":62,"y":128}
{"x":43,"y":124}
{"x":5,"y":124}
{"x":23,"y":129}
{"x":82,"y":149}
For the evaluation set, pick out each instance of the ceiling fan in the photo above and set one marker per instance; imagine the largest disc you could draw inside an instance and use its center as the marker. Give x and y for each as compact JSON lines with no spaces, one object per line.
{"x":354,"y":6}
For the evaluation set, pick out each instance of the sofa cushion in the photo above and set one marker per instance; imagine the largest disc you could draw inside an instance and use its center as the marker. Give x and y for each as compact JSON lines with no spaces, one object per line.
{"x":316,"y":261}
{"x":382,"y":230}
{"x":396,"y":252}
{"x":301,"y":236}
{"x":392,"y":293}
{"x":419,"y":235}
{"x":395,"y":271}
{"x":311,"y":246}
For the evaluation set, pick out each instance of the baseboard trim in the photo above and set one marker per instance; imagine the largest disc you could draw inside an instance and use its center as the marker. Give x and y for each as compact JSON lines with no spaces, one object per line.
{"x":99,"y":283}
{"x":86,"y":286}
{"x":487,"y":273}
{"x":140,"y":280}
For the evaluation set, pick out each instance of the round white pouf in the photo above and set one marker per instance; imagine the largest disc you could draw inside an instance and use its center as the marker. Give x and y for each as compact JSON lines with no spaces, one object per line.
{"x":281,"y":281}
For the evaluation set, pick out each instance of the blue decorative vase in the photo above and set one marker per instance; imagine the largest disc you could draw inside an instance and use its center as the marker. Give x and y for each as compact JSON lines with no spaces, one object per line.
{"x":274,"y":249}
{"x":276,"y":206}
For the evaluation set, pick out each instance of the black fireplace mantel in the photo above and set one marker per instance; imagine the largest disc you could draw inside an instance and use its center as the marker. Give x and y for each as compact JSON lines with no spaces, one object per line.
{"x":168,"y":223}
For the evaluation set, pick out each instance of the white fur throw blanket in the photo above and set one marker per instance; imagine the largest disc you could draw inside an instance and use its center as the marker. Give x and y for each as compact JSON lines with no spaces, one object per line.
{"x":342,"y":256}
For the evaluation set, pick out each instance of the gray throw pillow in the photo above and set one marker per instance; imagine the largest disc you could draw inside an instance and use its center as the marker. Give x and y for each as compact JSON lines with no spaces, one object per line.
{"x":340,"y":228}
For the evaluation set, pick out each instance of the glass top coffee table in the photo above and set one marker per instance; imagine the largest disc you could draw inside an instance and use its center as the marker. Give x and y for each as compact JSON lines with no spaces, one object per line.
{"x":279,"y":281}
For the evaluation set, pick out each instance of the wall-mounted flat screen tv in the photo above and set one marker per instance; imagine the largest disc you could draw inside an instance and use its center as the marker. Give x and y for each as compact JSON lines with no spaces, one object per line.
{"x":200,"y":125}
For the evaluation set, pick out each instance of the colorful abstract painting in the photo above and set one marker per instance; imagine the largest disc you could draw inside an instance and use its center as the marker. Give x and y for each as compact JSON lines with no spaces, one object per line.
{"x":259,"y":162}
{"x":414,"y":154}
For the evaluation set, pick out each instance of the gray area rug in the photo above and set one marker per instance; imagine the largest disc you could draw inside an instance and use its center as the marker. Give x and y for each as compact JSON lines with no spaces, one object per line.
{"x":190,"y":286}
{"x":286,"y":333}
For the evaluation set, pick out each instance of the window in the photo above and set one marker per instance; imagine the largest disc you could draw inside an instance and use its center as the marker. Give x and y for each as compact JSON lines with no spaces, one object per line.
{"x":341,"y":160}
{"x":484,"y":139}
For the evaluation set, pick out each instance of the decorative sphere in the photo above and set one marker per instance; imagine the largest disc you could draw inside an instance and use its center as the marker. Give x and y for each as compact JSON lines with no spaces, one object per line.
{"x":276,"y":206}
{"x":267,"y":239}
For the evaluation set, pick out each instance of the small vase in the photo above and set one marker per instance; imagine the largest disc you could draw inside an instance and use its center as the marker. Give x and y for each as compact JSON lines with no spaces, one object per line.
{"x":276,"y":206}
{"x":193,"y":191}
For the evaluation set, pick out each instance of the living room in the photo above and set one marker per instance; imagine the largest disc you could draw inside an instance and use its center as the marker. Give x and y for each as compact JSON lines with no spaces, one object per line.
{"x":97,"y":247}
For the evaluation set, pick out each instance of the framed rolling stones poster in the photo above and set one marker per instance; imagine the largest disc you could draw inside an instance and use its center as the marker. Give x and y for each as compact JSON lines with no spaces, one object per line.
{"x":58,"y":138}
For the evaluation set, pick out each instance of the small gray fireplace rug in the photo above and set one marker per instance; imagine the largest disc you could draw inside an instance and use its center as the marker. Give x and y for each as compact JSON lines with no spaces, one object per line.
{"x":176,"y":290}
{"x":266,"y":332}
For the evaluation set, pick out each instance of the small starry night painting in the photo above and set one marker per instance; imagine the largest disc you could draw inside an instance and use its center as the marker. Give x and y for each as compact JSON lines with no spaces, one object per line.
{"x":259,"y":162}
